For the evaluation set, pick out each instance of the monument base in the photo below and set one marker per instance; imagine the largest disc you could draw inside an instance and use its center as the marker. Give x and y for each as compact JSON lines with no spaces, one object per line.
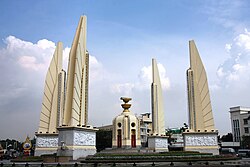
{"x":46,"y":143}
{"x":158,"y":143}
{"x":76,"y":142}
{"x":126,"y":144}
{"x":203,"y":142}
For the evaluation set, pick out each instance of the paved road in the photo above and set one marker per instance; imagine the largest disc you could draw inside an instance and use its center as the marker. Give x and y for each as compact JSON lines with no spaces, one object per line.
{"x":242,"y":162}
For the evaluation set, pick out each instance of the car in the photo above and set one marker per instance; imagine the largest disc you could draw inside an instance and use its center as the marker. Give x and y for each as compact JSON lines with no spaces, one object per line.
{"x":227,"y":151}
{"x":1,"y":154}
{"x":243,"y":153}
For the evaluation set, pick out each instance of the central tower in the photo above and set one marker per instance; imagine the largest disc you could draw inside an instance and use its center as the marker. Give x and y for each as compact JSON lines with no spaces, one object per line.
{"x":76,"y":106}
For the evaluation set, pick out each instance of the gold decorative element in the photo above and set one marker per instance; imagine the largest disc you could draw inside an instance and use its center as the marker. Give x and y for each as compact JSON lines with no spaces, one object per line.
{"x":27,"y":144}
{"x":126,"y":106}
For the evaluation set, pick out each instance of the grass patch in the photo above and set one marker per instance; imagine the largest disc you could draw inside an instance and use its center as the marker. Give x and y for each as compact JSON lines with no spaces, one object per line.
{"x":175,"y":156}
{"x":173,"y":153}
{"x":27,"y":159}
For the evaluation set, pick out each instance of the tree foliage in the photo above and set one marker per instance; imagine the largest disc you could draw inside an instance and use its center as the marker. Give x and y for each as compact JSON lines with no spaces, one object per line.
{"x":103,"y":139}
{"x":227,"y":138}
{"x":246,"y":142}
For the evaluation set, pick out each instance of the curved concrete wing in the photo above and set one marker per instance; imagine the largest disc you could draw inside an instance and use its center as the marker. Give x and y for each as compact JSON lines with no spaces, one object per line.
{"x":76,"y":105}
{"x":199,"y":103}
{"x":158,"y":124}
{"x":53,"y":98}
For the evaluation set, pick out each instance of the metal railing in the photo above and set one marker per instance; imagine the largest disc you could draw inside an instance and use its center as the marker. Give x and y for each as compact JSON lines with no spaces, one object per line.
{"x":130,"y":163}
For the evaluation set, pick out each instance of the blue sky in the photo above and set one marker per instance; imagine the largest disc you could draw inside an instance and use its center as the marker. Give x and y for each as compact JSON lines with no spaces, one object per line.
{"x":122,"y":38}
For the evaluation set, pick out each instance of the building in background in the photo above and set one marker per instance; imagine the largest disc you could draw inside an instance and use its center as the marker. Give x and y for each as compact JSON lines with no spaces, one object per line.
{"x":106,"y":127}
{"x":145,"y":127}
{"x":240,"y":122}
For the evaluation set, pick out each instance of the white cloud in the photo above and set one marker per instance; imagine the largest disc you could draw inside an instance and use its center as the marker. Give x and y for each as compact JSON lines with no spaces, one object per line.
{"x":220,"y":72}
{"x":24,"y":65}
{"x":13,"y":43}
{"x":29,"y":62}
{"x":228,"y":47}
{"x":243,"y":40}
{"x":164,"y":79}
{"x":65,"y":57}
{"x":37,"y":56}
{"x":225,"y":13}
{"x":144,"y":81}
{"x":124,"y":89}
{"x":236,"y":67}
{"x":233,"y":79}
{"x":45,"y":44}
{"x":34,"y":57}
{"x":145,"y":77}
{"x":96,"y":69}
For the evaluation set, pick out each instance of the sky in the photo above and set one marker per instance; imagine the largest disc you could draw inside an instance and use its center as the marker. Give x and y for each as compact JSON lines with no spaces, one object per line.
{"x":122,"y":39}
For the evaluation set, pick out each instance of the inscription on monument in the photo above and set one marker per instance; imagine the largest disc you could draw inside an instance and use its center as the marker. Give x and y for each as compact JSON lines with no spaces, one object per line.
{"x":200,"y":140}
{"x":161,"y":143}
{"x":84,"y":138}
{"x":47,"y":142}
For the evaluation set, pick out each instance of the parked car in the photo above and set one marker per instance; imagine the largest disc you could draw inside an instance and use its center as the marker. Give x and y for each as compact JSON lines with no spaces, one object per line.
{"x":228,"y":151}
{"x":1,"y":154}
{"x":10,"y":154}
{"x":243,"y":153}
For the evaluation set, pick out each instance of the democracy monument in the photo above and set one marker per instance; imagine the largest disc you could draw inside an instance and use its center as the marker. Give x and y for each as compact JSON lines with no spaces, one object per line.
{"x":64,"y":129}
{"x":202,"y":135}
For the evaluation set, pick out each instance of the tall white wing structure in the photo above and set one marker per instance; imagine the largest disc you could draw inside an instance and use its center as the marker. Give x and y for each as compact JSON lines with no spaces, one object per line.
{"x":199,"y":103}
{"x":158,"y":124}
{"x":53,"y":97}
{"x":76,"y":106}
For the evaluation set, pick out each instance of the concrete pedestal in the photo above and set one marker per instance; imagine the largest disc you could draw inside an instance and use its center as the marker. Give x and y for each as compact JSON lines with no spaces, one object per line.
{"x":76,"y":142}
{"x":158,"y":143}
{"x":46,"y":143}
{"x":204,"y":142}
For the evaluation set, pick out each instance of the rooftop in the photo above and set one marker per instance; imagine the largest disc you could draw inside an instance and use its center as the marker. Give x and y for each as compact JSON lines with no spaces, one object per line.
{"x":240,"y":109}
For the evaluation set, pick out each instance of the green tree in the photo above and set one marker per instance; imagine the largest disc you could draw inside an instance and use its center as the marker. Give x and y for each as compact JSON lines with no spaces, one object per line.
{"x":103,"y":139}
{"x":227,"y":138}
{"x":184,"y":127}
{"x":245,"y":141}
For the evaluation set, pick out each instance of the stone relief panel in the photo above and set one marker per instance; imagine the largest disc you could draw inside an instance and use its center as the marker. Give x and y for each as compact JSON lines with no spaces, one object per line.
{"x":194,"y":140}
{"x":84,"y":138}
{"x":47,"y":142}
{"x":161,"y":143}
